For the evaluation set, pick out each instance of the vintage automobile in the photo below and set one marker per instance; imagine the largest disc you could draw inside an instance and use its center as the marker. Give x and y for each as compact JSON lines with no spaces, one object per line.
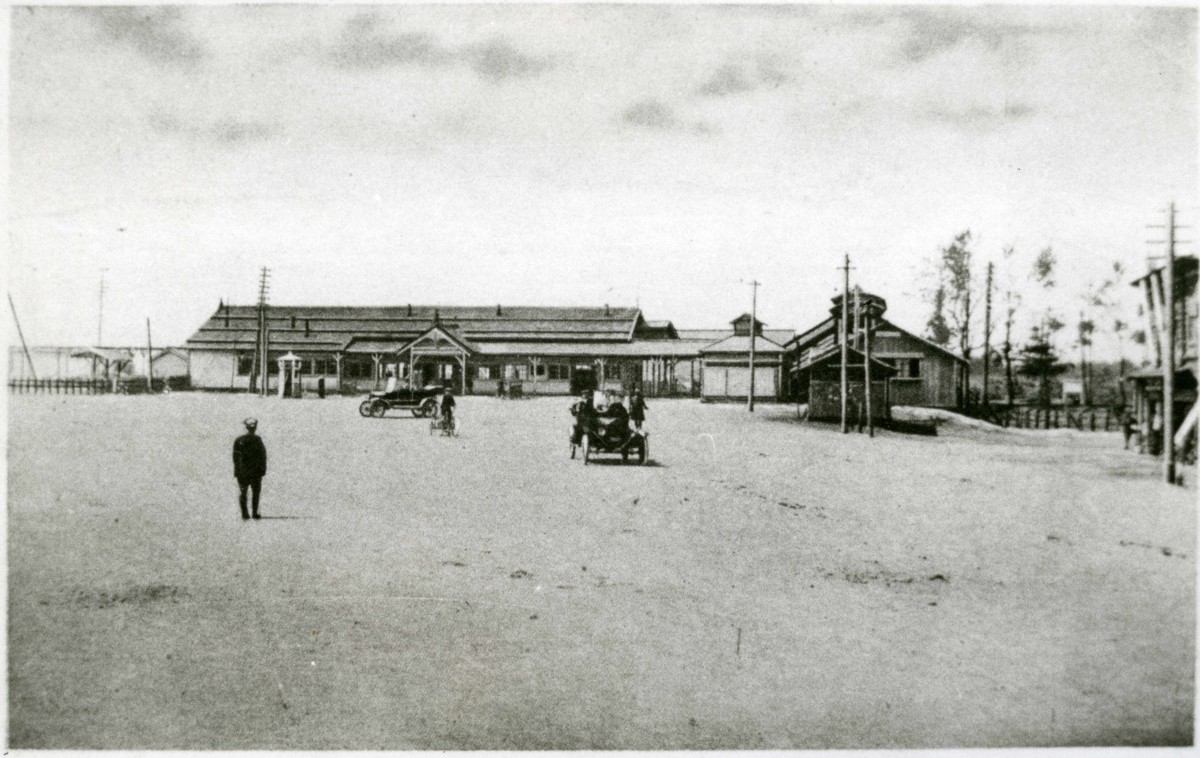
{"x":608,"y":435}
{"x":421,"y":402}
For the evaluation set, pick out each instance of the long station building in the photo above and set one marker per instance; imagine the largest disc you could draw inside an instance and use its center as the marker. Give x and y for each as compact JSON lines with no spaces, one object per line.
{"x":546,"y":350}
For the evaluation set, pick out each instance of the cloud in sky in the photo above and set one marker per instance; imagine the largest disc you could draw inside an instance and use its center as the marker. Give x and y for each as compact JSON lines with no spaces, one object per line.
{"x":932,"y":32}
{"x":497,"y":60}
{"x":225,"y":131}
{"x":736,"y":78}
{"x":367,"y":42}
{"x":980,"y":117}
{"x":157,"y":33}
{"x":577,"y":133}
{"x":650,"y":113}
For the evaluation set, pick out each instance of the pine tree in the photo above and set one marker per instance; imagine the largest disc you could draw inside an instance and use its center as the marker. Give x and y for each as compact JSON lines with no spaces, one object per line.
{"x":1039,"y":360}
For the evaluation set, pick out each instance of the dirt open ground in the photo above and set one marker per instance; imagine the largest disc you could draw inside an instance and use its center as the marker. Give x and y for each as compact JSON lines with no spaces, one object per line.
{"x":762,"y":584}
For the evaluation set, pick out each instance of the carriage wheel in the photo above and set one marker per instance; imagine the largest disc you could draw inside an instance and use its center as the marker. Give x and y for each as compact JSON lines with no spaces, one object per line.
{"x":429,"y":408}
{"x":365,"y":408}
{"x":378,"y":408}
{"x":587,"y":449}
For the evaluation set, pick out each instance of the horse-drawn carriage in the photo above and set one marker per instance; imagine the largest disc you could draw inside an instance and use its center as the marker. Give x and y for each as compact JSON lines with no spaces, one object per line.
{"x":423,"y":402}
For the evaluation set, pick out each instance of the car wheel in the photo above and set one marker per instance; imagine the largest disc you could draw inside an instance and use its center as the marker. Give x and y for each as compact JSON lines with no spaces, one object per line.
{"x":365,"y":408}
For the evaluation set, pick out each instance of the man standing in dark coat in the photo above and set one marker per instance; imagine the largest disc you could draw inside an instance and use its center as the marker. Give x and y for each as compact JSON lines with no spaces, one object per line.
{"x":637,"y":408}
{"x":249,"y":465}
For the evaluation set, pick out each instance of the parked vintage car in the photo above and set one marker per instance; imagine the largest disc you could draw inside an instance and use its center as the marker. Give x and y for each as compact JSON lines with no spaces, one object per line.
{"x":421,"y":402}
{"x":601,"y":434}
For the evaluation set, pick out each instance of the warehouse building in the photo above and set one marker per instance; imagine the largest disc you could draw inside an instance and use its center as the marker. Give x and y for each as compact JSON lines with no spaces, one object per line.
{"x":905,"y":369}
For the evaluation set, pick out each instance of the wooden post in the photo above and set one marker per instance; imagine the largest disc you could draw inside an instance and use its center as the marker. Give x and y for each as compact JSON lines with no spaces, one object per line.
{"x":21,"y":334}
{"x":867,"y":372}
{"x":149,"y":360}
{"x":987,"y":335}
{"x":842,"y":337}
{"x":1168,"y":412}
{"x":753,"y":339}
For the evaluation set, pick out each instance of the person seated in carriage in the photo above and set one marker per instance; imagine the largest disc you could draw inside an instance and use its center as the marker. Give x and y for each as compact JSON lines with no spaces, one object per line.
{"x":615,"y":420}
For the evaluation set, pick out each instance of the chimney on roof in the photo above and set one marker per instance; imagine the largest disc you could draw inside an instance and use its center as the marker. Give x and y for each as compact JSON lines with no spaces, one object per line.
{"x":225,"y":308}
{"x":293,"y":322}
{"x":437,"y":316}
{"x":306,"y":328}
{"x":410,"y":309}
{"x":607,"y":312}
{"x":498,"y":313}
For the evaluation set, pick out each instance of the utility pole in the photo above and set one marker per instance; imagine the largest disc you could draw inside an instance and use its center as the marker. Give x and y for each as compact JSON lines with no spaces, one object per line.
{"x":149,"y":360}
{"x":753,"y":338}
{"x":100,"y":319}
{"x":868,"y":320}
{"x":858,"y":320}
{"x":842,"y":337}
{"x":263,"y":341}
{"x":21,"y":334}
{"x":1167,"y":352}
{"x":1083,"y":371}
{"x":1168,"y":411}
{"x":987,"y":335}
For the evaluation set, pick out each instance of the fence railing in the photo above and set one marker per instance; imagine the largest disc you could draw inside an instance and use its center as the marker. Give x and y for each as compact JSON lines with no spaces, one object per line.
{"x":60,"y":386}
{"x":1083,"y":419}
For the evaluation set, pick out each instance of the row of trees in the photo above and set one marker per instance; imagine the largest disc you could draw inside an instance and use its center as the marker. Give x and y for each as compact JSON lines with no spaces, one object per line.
{"x":957,"y":291}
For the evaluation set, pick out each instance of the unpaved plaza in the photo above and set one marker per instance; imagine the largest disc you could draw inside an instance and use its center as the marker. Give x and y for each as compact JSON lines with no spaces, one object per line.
{"x":762,"y":584}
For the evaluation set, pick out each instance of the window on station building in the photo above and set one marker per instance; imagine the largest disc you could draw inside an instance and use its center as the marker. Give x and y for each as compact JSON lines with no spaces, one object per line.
{"x":357,"y":367}
{"x":483,"y":372}
{"x":518,"y":371}
{"x":539,"y":370}
{"x":558,"y":371}
{"x":245,"y":362}
{"x":323,"y":367}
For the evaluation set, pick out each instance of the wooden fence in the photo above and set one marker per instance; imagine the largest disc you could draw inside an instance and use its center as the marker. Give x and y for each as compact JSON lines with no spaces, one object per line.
{"x":60,"y":386}
{"x":1082,"y":419}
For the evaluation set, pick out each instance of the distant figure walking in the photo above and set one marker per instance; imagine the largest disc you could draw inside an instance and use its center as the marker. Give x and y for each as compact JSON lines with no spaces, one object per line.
{"x":637,"y":408}
{"x":249,"y":466}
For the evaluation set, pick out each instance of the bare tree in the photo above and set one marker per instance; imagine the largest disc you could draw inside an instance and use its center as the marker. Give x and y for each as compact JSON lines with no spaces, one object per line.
{"x":951,"y":301}
{"x":1012,"y":302}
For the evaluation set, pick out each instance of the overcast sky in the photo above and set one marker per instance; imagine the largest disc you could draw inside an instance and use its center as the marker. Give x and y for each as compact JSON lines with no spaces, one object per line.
{"x":656,"y":155}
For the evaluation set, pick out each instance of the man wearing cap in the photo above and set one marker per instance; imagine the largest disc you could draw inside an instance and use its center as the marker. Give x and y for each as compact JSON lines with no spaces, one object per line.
{"x":249,"y":465}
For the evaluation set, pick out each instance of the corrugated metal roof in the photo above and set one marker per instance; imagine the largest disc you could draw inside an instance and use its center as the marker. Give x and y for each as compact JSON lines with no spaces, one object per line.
{"x":815,"y":334}
{"x":338,"y":324}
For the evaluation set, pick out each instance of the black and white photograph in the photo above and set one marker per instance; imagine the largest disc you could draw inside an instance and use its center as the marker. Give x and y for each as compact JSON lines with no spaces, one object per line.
{"x":595,"y":376}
